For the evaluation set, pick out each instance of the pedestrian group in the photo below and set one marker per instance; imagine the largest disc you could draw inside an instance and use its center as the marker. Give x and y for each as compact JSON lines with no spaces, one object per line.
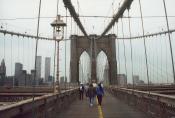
{"x":91,"y":91}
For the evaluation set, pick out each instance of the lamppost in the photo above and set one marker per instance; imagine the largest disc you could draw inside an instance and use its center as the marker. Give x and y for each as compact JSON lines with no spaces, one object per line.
{"x":58,"y":33}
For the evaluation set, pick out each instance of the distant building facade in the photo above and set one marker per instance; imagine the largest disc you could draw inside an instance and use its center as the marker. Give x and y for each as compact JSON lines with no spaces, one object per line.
{"x":47,"y":68}
{"x":22,"y":78}
{"x":8,"y":81}
{"x":38,"y":69}
{"x":122,"y":80}
{"x":18,"y":73}
{"x":137,"y":80}
{"x":2,"y":72}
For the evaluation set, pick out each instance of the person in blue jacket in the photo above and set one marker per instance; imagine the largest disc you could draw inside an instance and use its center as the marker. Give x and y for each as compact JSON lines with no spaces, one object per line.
{"x":100,"y":93}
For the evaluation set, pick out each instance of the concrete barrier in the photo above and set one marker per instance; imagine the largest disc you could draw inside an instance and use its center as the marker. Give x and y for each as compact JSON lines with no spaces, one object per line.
{"x":26,"y":90}
{"x":46,"y":106}
{"x":154,"y":104}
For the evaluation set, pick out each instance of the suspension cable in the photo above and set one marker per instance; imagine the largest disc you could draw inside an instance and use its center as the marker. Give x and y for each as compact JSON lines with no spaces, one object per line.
{"x":170,"y":43}
{"x":11,"y":56}
{"x":18,"y":52}
{"x":153,"y":58}
{"x":65,"y":49}
{"x":145,"y":49}
{"x":157,"y":57}
{"x":23,"y":57}
{"x":161,"y":58}
{"x":166,"y":51}
{"x":36,"y":51}
{"x":118,"y":47}
{"x":4,"y":47}
{"x":29,"y":54}
{"x":124,"y":51}
{"x":131,"y":48}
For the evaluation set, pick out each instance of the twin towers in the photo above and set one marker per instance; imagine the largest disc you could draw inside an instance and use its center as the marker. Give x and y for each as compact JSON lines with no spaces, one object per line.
{"x":93,"y":45}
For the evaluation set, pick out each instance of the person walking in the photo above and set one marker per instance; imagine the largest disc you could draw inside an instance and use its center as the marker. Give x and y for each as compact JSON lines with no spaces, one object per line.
{"x":100,"y":93}
{"x":81,"y":91}
{"x":91,"y":94}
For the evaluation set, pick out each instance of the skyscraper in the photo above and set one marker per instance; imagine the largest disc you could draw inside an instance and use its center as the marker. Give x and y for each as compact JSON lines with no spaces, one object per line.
{"x":3,"y":68}
{"x":18,"y":72}
{"x":2,"y":72}
{"x":47,"y":68}
{"x":38,"y":69}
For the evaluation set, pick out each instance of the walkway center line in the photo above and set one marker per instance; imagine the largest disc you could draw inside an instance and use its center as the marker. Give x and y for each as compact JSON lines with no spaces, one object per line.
{"x":99,"y":110}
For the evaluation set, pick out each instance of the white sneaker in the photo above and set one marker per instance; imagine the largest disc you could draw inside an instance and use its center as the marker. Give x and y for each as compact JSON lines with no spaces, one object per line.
{"x":91,"y":105}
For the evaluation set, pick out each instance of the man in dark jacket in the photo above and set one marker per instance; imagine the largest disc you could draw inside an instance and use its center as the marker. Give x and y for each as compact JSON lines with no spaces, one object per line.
{"x":81,"y":91}
{"x":91,"y":94}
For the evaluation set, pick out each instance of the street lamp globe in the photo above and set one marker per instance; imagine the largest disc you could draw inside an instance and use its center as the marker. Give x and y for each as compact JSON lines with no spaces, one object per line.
{"x":58,"y":26}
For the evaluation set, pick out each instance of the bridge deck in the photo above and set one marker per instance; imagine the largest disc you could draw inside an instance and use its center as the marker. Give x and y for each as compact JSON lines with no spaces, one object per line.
{"x":111,"y":108}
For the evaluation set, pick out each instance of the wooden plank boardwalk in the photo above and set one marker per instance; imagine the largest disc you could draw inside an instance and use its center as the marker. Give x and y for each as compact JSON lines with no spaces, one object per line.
{"x":111,"y":108}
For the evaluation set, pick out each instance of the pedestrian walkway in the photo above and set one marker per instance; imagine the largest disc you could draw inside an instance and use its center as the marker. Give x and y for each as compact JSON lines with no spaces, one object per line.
{"x":111,"y":108}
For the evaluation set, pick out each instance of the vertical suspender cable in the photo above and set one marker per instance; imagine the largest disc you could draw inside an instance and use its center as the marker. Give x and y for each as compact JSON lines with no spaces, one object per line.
{"x":161,"y":60}
{"x":18,"y":51}
{"x":145,"y":49}
{"x":166,"y":61}
{"x":118,"y":51}
{"x":131,"y":49}
{"x":153,"y":62}
{"x":124,"y":51}
{"x":65,"y":49}
{"x":36,"y":50}
{"x":4,"y":46}
{"x":23,"y":51}
{"x":11,"y":59}
{"x":169,"y":37}
{"x":157,"y":57}
{"x":28,"y":59}
{"x":71,"y":34}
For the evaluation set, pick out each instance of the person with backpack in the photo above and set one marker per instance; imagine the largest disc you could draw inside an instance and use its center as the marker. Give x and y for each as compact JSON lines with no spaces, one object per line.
{"x":81,"y":91}
{"x":100,"y":93}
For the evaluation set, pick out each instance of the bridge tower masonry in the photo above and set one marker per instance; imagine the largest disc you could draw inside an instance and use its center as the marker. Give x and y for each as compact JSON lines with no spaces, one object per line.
{"x":93,"y":46}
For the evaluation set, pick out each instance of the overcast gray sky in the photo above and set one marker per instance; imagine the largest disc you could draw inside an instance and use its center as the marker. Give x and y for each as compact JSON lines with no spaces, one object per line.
{"x":23,"y":51}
